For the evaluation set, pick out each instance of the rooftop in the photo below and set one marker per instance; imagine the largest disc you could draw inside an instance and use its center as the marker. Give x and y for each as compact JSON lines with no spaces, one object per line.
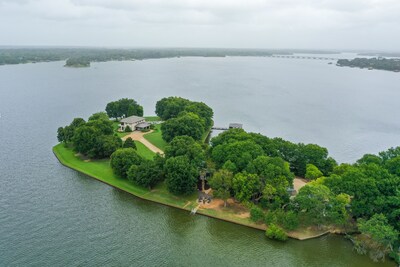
{"x":132,"y":119}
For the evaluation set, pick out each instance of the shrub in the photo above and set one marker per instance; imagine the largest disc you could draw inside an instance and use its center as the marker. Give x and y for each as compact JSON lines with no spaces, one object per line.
{"x":129,"y":143}
{"x":290,"y":220}
{"x":275,"y":232}
{"x":128,"y":129}
{"x":256,"y":214}
{"x":270,"y":218}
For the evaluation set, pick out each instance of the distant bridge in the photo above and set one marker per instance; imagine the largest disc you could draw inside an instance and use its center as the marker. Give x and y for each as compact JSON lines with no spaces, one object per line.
{"x":304,"y":57}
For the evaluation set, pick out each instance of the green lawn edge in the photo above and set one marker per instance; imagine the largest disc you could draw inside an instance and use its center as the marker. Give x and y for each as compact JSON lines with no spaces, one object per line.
{"x":101,"y":171}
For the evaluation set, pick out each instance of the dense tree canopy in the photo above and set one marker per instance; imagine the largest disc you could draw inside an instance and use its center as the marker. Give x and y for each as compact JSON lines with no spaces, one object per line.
{"x":221,"y":183}
{"x":170,"y":107}
{"x":147,"y":174}
{"x":123,"y":159}
{"x":298,"y":155}
{"x":189,"y":124}
{"x":186,"y":146}
{"x":181,"y":175}
{"x":123,"y":108}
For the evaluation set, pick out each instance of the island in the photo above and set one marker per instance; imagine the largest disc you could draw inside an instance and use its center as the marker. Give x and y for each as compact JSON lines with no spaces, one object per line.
{"x":81,"y":62}
{"x":283,"y":188}
{"x":380,"y":63}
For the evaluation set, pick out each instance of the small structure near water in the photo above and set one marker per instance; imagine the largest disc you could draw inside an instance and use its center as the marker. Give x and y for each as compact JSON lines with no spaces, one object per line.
{"x":231,"y":126}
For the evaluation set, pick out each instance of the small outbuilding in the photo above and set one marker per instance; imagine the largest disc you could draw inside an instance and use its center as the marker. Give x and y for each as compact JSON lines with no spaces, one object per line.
{"x":235,"y":126}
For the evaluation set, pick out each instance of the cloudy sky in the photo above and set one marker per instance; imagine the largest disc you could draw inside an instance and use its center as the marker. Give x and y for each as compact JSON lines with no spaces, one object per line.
{"x":323,"y":24}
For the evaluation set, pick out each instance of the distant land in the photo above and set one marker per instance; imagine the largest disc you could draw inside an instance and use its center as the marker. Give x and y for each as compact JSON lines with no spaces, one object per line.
{"x":82,"y":57}
{"x":392,"y":64}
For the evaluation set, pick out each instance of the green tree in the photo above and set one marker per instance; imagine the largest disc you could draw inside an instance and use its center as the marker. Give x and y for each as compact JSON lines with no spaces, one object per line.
{"x":381,"y":235}
{"x":104,"y":126}
{"x":186,"y":146}
{"x":84,"y":138}
{"x":123,"y":159}
{"x":275,"y":232}
{"x":104,"y":146}
{"x":246,"y":186}
{"x":129,"y":143}
{"x":99,"y":116}
{"x":170,"y":107}
{"x":275,"y":178}
{"x":124,"y":107}
{"x":393,"y":165}
{"x":239,"y":153}
{"x":60,"y":134}
{"x":189,"y":124}
{"x":181,"y":175}
{"x":369,"y":158}
{"x":312,"y":172}
{"x":256,"y":214}
{"x":146,"y":174}
{"x":313,"y":199}
{"x":203,"y":111}
{"x":221,"y":183}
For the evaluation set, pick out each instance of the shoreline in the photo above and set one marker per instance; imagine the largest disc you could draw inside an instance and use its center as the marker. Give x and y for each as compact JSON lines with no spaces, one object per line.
{"x":292,"y":234}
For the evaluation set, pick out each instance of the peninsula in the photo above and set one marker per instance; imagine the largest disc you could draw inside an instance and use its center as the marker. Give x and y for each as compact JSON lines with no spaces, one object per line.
{"x":271,"y":184}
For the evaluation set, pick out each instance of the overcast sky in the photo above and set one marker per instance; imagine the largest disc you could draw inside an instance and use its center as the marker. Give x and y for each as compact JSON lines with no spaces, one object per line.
{"x":322,"y":24}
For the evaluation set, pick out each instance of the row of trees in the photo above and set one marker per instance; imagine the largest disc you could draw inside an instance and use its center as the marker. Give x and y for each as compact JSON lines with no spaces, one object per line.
{"x":179,"y":168}
{"x":94,"y":138}
{"x":258,"y":170}
{"x":240,"y":148}
{"x":183,"y":117}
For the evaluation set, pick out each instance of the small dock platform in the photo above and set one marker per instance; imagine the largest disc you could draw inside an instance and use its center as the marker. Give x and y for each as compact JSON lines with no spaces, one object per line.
{"x":231,"y":126}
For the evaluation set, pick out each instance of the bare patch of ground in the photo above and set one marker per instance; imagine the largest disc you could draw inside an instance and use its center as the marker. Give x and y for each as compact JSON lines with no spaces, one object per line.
{"x":299,"y":183}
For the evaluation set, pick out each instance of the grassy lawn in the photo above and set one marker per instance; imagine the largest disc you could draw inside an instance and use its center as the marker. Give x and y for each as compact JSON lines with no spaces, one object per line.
{"x":155,"y":138}
{"x":143,"y":151}
{"x":101,"y":170}
{"x":152,"y":118}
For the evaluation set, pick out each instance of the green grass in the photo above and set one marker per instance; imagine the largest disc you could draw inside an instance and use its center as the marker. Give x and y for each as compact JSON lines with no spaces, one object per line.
{"x":143,"y":151}
{"x":155,"y":138}
{"x":152,"y":118}
{"x":101,"y":170}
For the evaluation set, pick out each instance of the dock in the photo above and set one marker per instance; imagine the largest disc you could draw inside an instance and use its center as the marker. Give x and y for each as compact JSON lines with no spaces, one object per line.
{"x":231,"y":126}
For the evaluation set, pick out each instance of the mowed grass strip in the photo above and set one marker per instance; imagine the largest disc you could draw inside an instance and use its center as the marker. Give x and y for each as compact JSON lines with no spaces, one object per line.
{"x":101,"y":170}
{"x":143,"y":151}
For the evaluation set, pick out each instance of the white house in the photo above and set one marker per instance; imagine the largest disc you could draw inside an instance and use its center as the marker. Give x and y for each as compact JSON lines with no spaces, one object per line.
{"x":134,"y":122}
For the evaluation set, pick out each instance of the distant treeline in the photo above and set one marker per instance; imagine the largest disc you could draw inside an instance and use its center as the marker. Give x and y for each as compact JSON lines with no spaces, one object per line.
{"x":372,"y":63}
{"x":83,"y":56}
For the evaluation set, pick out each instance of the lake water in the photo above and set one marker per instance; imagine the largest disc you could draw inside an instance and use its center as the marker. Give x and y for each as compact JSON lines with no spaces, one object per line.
{"x":54,"y":216}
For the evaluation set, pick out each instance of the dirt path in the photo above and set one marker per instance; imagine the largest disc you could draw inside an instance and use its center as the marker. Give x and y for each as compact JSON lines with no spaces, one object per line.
{"x":138,"y":136}
{"x":299,"y":183}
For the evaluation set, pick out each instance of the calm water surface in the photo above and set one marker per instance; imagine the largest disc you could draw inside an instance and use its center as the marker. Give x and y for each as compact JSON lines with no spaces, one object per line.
{"x":53,"y":216}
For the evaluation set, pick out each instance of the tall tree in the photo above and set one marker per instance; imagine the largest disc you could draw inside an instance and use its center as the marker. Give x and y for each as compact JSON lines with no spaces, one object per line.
{"x":124,"y":107}
{"x":221,"y":184}
{"x":123,"y":159}
{"x":189,"y":124}
{"x":181,"y":175}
